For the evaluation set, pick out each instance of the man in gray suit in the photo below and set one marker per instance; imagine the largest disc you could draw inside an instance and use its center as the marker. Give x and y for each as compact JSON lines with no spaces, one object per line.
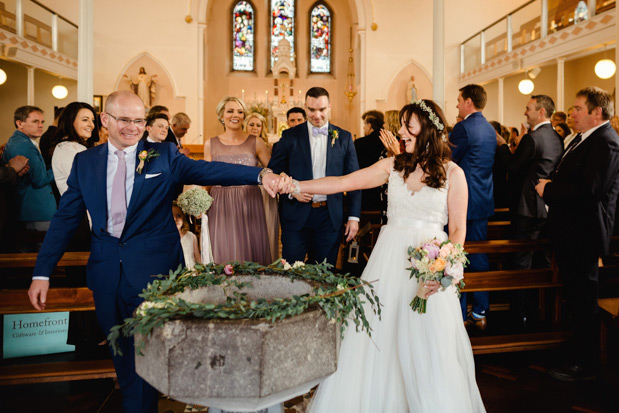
{"x":535,"y":158}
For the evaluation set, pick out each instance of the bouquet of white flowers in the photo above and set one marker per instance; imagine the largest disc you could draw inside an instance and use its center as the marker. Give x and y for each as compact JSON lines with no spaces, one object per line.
{"x":433,"y":261}
{"x":195,"y":202}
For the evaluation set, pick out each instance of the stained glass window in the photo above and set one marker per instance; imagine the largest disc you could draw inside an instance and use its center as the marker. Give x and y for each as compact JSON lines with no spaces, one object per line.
{"x":243,"y":36}
{"x":282,"y":25}
{"x":320,"y":39}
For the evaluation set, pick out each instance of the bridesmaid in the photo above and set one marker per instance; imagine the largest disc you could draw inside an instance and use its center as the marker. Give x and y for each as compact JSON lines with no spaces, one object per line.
{"x":236,"y":219}
{"x":255,"y":124}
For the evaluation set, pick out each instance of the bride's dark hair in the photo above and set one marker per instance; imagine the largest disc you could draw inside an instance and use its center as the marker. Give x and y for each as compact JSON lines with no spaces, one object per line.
{"x":431,"y":147}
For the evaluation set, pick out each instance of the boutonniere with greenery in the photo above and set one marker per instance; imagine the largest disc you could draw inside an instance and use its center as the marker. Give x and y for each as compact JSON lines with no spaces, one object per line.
{"x":334,"y":135}
{"x":146,"y":156}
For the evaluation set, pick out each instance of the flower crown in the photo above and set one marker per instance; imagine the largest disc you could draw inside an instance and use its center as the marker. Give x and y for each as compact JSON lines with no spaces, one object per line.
{"x":431,"y":115}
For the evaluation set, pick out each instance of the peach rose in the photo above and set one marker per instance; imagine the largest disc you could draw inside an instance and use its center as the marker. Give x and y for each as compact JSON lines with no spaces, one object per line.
{"x":438,"y":265}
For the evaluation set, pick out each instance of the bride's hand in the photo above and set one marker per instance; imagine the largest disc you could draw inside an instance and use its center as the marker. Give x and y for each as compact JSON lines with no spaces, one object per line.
{"x":432,"y":287}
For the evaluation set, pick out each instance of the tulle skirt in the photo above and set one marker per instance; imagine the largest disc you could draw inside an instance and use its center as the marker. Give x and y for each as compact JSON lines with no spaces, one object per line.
{"x":237,"y":225}
{"x":412,"y":362}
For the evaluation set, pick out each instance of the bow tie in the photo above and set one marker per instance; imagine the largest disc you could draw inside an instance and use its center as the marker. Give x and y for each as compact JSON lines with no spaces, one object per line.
{"x":319,"y":131}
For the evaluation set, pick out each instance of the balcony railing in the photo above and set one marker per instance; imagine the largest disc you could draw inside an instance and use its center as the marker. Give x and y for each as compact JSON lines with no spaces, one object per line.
{"x":529,"y":22}
{"x":33,"y":21}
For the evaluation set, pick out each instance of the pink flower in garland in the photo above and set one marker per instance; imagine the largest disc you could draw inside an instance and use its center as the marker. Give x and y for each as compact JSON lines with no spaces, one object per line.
{"x":229,"y":269}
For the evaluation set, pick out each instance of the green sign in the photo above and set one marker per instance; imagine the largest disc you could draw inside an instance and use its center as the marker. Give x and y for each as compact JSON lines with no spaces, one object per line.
{"x":34,"y":334}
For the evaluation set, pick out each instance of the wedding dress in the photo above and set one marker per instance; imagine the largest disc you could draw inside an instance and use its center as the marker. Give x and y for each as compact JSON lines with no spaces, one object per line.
{"x":412,"y":362}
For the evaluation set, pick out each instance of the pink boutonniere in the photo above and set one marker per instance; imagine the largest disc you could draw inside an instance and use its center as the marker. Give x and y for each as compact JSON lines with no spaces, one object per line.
{"x":334,"y":135}
{"x":145,"y":156}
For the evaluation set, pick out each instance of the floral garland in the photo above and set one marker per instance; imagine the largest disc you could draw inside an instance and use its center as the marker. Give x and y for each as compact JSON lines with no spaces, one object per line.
{"x":337,"y":295}
{"x":433,"y":117}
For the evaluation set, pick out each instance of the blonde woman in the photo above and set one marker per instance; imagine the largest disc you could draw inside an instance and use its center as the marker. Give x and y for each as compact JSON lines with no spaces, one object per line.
{"x":236,"y":219}
{"x":256,"y":125}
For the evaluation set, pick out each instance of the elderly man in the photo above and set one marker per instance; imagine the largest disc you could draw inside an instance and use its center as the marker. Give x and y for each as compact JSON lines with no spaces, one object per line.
{"x":179,"y":125}
{"x":313,"y":224}
{"x":582,"y":197}
{"x":36,"y":202}
{"x":133,"y":235}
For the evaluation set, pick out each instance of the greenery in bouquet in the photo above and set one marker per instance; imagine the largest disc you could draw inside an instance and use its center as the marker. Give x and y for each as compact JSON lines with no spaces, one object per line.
{"x":342,"y":298}
{"x":260,"y":108}
{"x":195,"y":202}
{"x":437,"y":261}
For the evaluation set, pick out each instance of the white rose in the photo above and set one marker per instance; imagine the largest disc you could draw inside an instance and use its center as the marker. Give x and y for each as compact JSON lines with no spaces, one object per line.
{"x":455,"y":270}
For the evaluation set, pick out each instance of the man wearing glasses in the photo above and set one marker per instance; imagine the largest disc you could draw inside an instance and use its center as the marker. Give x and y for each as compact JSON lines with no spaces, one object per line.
{"x":127,"y":186}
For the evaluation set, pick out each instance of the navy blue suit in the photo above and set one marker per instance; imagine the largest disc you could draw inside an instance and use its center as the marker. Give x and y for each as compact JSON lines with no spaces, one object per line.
{"x":315,"y":231}
{"x":119,"y":268}
{"x":475,"y":144}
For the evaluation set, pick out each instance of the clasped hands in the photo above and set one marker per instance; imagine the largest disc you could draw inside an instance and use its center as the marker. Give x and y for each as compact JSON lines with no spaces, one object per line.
{"x":274,"y":184}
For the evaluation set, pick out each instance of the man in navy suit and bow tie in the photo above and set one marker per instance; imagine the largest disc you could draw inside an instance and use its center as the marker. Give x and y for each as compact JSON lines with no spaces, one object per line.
{"x":133,"y":233}
{"x":582,"y":196}
{"x":312,"y":223}
{"x":475,"y":144}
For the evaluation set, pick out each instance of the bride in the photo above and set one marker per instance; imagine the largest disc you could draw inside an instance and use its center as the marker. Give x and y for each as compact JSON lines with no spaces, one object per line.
{"x":412,"y":362}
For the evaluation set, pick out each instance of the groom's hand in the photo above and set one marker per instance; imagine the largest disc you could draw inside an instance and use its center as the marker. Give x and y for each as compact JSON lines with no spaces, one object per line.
{"x":38,"y":293}
{"x":352,"y":227}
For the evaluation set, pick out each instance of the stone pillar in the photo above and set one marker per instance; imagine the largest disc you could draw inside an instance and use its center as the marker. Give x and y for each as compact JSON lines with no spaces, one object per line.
{"x":201,"y":77}
{"x":560,"y":103}
{"x":362,"y":72}
{"x":85,"y":52}
{"x":30,"y":87}
{"x":19,"y":18}
{"x":55,"y":32}
{"x":438,"y":57}
{"x":501,"y":103}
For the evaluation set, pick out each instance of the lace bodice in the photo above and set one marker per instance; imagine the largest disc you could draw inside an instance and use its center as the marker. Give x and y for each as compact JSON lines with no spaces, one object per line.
{"x":427,"y":204}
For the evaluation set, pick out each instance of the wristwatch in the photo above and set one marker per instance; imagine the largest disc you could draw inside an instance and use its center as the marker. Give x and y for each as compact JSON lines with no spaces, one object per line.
{"x":263,"y":173}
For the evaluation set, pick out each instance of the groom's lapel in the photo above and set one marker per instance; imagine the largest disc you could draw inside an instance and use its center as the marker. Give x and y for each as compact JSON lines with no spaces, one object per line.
{"x":306,"y":149}
{"x":138,"y":181}
{"x":329,"y":146}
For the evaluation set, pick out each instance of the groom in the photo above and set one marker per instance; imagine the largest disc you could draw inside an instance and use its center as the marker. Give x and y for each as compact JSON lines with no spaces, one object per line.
{"x":312,"y":223}
{"x":130,"y":205}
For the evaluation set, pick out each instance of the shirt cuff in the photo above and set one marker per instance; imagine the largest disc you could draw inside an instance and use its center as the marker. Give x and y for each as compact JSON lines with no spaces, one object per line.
{"x":353,"y":219}
{"x":40,"y":278}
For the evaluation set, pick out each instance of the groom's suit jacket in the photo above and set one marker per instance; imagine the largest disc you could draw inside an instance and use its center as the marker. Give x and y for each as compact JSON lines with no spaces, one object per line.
{"x":583,"y":194}
{"x":292,"y":155}
{"x":149,"y":243}
{"x":474,"y":142}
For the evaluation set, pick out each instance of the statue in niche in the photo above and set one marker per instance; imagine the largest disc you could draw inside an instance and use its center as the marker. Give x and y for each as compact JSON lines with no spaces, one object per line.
{"x":411,"y":91}
{"x":143,"y":85}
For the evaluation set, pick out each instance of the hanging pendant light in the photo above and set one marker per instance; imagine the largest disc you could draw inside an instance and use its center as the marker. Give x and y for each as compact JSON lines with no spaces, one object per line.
{"x":2,"y":77}
{"x":526,"y":86}
{"x":605,"y":68}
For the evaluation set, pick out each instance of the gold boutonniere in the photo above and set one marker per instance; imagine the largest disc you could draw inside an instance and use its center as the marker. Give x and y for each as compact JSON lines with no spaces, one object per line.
{"x":145,"y":156}
{"x":334,"y":135}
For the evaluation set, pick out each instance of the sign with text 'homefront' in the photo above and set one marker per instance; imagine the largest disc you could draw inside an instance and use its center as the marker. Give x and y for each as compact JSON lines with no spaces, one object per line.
{"x":34,"y":334}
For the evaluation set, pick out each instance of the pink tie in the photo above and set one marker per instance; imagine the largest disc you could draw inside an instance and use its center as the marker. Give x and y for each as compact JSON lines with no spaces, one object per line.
{"x":119,"y":197}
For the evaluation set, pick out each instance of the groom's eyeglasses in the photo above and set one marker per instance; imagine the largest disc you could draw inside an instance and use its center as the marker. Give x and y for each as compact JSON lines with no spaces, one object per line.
{"x":124,"y":122}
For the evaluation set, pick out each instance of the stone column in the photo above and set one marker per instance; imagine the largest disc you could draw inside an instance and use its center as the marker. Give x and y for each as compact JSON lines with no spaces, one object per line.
{"x":501,"y":103}
{"x":438,"y":56}
{"x":30,"y":87}
{"x":201,"y":77}
{"x":560,"y":103}
{"x":85,"y":52}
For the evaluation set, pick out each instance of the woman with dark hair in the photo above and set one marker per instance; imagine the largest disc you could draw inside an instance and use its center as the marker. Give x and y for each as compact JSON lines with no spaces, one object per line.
{"x":75,"y":127}
{"x":563,"y":130}
{"x":413,"y":362}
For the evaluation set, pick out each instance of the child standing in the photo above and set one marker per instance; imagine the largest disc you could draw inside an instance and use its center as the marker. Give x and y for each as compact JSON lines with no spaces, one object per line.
{"x":189,"y":242}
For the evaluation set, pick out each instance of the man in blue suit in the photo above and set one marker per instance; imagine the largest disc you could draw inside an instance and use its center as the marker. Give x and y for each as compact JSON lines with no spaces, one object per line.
{"x":475,"y":143}
{"x":133,"y":233}
{"x":312,"y":223}
{"x":36,"y":202}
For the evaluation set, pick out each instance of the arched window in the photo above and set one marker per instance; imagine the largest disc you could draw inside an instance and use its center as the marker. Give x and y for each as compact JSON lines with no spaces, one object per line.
{"x":282,"y":25}
{"x":320,"y":39}
{"x":243,"y":36}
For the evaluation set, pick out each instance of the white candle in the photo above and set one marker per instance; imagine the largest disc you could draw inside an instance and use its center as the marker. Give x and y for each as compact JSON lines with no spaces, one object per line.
{"x":266,"y":93}
{"x":243,"y":94}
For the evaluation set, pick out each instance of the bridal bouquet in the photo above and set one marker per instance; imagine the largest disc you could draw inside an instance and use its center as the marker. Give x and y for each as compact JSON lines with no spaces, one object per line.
{"x":433,"y":261}
{"x":195,"y":202}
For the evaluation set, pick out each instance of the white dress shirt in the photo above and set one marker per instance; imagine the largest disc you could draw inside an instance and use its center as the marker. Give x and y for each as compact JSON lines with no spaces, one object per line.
{"x":318,"y":146}
{"x":112,"y":164}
